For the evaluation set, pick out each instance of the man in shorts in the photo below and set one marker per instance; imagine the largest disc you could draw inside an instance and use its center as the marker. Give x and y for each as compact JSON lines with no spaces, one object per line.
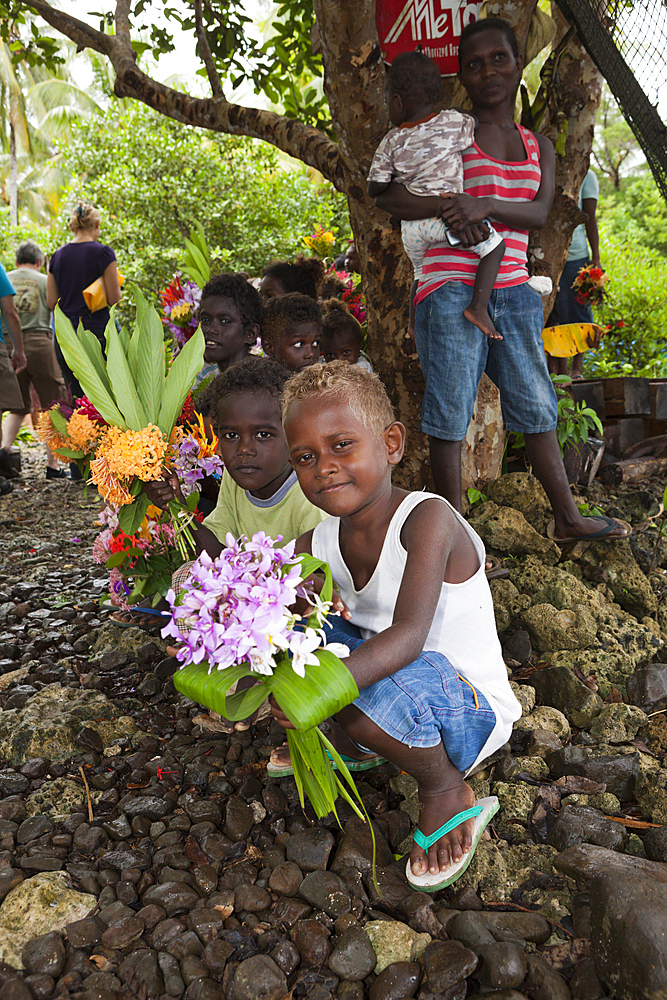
{"x":42,"y":370}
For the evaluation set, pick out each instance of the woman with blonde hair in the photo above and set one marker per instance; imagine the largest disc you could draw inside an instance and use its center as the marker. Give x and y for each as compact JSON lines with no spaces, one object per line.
{"x":74,"y":267}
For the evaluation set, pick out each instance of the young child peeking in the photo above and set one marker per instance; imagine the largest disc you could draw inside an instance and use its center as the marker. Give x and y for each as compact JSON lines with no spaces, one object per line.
{"x":230,"y":312}
{"x":418,"y":617}
{"x":423,"y":152}
{"x":342,"y":337}
{"x":259,"y":489}
{"x":291,"y":327}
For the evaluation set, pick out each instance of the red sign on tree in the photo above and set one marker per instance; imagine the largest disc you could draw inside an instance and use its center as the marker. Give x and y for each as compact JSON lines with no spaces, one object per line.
{"x":436,"y":25}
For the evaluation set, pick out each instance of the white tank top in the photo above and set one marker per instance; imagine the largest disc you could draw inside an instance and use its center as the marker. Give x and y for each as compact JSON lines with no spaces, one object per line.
{"x":463,"y":627}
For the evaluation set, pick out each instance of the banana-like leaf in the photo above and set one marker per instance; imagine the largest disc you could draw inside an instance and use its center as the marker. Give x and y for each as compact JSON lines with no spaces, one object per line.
{"x":85,"y":368}
{"x":325,"y":689}
{"x":124,"y":388}
{"x":210,"y":690}
{"x":69,"y":452}
{"x":131,"y":515}
{"x":93,"y":349}
{"x":150,"y":365}
{"x":179,"y":381}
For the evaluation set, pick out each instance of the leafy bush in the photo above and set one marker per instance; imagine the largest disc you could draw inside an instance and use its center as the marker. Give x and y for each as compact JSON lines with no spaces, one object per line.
{"x":635,"y":313}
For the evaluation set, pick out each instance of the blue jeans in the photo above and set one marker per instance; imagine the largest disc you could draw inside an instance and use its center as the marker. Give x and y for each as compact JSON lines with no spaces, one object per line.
{"x":423,"y":704}
{"x":453,"y":355}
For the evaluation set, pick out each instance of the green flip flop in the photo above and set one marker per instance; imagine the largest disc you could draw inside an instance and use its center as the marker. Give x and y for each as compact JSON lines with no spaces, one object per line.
{"x":352,"y":765}
{"x":482,"y":812}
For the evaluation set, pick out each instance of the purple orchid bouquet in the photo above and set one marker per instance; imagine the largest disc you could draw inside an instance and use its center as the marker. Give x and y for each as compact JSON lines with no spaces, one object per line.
{"x":235,"y":618}
{"x":192,"y":463}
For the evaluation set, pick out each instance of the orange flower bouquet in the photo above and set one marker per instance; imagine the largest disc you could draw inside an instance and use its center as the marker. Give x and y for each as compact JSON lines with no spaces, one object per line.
{"x":140,"y":400}
{"x":590,"y":284}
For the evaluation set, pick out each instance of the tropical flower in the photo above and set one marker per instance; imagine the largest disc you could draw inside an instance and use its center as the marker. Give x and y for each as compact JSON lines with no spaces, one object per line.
{"x":180,"y":303}
{"x":49,"y":434}
{"x":320,"y":243}
{"x":131,"y":454}
{"x":590,"y":285}
{"x":83,"y":432}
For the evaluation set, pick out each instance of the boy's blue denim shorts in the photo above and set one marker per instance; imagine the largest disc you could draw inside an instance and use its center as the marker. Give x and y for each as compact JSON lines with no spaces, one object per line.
{"x":453,"y":354}
{"x":425,"y":703}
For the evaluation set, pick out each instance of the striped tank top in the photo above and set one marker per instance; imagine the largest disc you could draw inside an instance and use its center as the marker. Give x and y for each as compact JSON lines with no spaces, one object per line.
{"x":485,"y":177}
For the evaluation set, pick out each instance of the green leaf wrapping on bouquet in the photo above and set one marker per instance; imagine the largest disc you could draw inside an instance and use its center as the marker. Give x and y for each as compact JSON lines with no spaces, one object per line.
{"x":210,"y":690}
{"x":149,"y":366}
{"x":311,"y":564}
{"x":124,"y":388}
{"x":71,"y":453}
{"x":115,"y":559}
{"x":84,"y":362}
{"x":58,"y":421}
{"x":306,"y":701}
{"x":131,"y":515}
{"x":180,"y":379}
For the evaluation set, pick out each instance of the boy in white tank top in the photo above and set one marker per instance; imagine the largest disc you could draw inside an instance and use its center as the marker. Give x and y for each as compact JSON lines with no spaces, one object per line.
{"x":416,"y":614}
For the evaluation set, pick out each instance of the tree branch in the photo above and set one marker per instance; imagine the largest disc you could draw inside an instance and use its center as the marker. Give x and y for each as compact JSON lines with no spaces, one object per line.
{"x":292,"y":137}
{"x":78,"y":31}
{"x":206,"y":54}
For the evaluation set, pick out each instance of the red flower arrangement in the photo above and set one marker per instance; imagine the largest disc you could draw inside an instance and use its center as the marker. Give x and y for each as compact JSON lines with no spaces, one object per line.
{"x":590,"y":285}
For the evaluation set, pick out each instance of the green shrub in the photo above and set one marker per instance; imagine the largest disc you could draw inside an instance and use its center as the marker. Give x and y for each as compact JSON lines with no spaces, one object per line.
{"x":634,"y":313}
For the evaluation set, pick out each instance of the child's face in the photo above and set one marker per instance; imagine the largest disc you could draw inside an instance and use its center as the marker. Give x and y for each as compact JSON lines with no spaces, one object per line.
{"x":226,"y":339}
{"x":341,"y":346}
{"x":342,"y":465}
{"x":270,"y":288}
{"x":252,"y":442}
{"x":300,"y":347}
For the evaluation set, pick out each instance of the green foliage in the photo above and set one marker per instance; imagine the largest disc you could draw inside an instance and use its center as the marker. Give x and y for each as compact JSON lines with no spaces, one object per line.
{"x":575,"y":421}
{"x":476,"y":496}
{"x":635,"y":312}
{"x":637,"y":214}
{"x":154,"y":178}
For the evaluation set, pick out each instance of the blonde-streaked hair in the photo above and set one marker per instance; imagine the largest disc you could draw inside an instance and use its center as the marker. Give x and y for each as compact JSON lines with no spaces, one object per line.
{"x":83,"y":217}
{"x":363,"y":392}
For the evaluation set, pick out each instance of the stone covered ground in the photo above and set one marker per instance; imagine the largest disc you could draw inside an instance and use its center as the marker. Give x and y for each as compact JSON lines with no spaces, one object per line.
{"x":145,"y":853}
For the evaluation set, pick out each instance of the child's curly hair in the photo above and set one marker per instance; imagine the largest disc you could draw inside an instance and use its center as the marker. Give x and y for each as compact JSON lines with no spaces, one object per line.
{"x":245,"y":297}
{"x":253,"y":374}
{"x":304,"y":275}
{"x":336,"y":319}
{"x":284,"y":312}
{"x":414,"y":76}
{"x":361,"y":390}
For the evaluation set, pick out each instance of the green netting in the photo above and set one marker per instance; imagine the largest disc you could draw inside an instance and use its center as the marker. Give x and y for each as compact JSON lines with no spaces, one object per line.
{"x":627,"y":40}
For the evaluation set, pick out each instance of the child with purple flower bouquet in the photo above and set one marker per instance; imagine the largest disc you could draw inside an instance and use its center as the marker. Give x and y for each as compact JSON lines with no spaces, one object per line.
{"x":434,"y":698}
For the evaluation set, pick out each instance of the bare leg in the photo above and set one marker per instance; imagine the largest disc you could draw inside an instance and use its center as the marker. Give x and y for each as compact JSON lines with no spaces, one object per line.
{"x":477,"y":312}
{"x":544,"y":455}
{"x":576,"y":369}
{"x":557,"y":366}
{"x":446,"y":469}
{"x":10,"y":429}
{"x":442,"y":791}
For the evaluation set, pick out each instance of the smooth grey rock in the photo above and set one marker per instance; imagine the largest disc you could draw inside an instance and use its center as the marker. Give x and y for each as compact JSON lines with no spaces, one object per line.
{"x":353,"y":957}
{"x":585,"y":862}
{"x":446,"y":963}
{"x":655,"y":844}
{"x":628,"y":933}
{"x":470,"y":930}
{"x":310,"y":849}
{"x":326,"y":891}
{"x":399,"y":981}
{"x":585,"y":825}
{"x":44,"y":954}
{"x":516,"y":926}
{"x":259,"y":978}
{"x":503,"y":965}
{"x":544,"y":982}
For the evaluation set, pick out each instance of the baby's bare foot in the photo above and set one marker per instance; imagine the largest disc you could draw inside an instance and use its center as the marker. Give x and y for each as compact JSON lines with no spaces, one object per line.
{"x":481,"y":319}
{"x":436,"y":810}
